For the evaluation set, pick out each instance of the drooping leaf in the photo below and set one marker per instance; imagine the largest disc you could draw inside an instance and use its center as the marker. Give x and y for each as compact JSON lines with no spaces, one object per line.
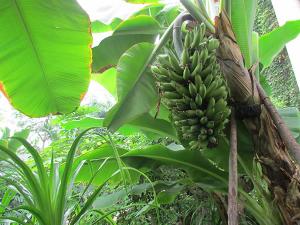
{"x":220,"y":154}
{"x":45,"y":55}
{"x":168,"y":196}
{"x":272,"y":43}
{"x":100,"y":27}
{"x":108,"y":80}
{"x":135,"y":87}
{"x":158,"y":126}
{"x":154,"y":127}
{"x":198,"y":167}
{"x":128,"y":33}
{"x":138,"y":89}
{"x":168,"y":14}
{"x":13,"y":144}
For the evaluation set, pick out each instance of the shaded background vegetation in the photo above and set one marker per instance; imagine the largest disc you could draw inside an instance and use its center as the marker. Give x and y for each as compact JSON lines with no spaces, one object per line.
{"x":280,"y":75}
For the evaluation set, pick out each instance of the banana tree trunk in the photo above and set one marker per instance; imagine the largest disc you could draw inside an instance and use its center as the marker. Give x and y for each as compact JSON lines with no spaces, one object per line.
{"x":280,"y":170}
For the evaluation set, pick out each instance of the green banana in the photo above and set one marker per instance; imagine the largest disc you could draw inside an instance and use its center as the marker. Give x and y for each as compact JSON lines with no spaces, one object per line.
{"x":172,"y":95}
{"x":185,"y":57}
{"x":197,"y":70}
{"x":166,"y":86}
{"x":203,"y":120}
{"x":175,"y":62}
{"x":210,"y":124}
{"x":213,"y":140}
{"x":193,"y":105}
{"x":192,"y":89}
{"x":211,"y":88}
{"x":208,"y":80}
{"x":198,"y":99}
{"x":210,"y":131}
{"x":175,"y":76}
{"x":186,"y":73}
{"x":202,"y":90}
{"x":195,"y":59}
{"x":196,"y":40}
{"x":198,"y":81}
{"x":180,"y":88}
{"x":188,"y":40}
{"x":213,"y":44}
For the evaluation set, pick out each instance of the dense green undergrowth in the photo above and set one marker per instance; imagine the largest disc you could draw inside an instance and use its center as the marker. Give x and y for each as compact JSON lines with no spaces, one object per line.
{"x":280,"y":75}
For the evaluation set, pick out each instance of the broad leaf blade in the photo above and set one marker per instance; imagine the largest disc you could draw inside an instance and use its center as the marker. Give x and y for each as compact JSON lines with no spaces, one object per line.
{"x":128,"y":33}
{"x":272,"y":43}
{"x":142,"y":86}
{"x":136,"y":88}
{"x":45,"y":55}
{"x":199,"y":168}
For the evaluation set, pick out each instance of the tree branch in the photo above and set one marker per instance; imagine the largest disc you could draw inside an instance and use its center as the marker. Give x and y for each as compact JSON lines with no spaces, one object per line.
{"x":233,"y":174}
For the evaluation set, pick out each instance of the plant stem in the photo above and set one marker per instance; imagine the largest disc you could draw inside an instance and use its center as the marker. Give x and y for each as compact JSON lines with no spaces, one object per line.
{"x":283,"y":130}
{"x":197,"y":14}
{"x":233,"y":174}
{"x":177,"y":35}
{"x":202,"y":7}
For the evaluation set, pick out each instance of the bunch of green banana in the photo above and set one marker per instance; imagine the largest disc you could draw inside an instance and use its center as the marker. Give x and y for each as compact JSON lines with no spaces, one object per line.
{"x":194,"y":90}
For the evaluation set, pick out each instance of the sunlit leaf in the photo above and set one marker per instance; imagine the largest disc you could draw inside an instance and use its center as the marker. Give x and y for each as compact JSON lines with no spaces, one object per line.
{"x":45,"y":55}
{"x":272,"y":43}
{"x":194,"y":163}
{"x":136,"y":88}
{"x":128,"y":33}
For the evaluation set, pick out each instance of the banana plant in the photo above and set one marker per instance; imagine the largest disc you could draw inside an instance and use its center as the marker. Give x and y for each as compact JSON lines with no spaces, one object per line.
{"x":46,"y":193}
{"x":240,"y":54}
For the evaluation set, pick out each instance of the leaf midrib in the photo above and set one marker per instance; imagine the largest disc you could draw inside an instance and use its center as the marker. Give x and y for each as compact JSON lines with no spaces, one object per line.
{"x":34,"y":48}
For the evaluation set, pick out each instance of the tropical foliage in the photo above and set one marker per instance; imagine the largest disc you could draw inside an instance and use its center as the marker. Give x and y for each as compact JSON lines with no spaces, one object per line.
{"x":115,"y":170}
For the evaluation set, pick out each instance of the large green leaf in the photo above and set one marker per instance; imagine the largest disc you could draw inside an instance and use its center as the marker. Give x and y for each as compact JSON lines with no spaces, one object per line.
{"x":45,"y":55}
{"x":198,"y":167}
{"x":128,"y":33}
{"x":102,"y":165}
{"x":135,"y":87}
{"x":242,"y":18}
{"x":136,"y":93}
{"x":272,"y":43}
{"x":159,"y":126}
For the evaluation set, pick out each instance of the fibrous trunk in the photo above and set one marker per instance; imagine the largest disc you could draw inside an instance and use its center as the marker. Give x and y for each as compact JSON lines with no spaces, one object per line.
{"x":280,"y":170}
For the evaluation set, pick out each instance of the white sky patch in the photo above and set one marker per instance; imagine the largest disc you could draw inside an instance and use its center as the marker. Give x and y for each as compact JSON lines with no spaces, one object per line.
{"x":106,"y":11}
